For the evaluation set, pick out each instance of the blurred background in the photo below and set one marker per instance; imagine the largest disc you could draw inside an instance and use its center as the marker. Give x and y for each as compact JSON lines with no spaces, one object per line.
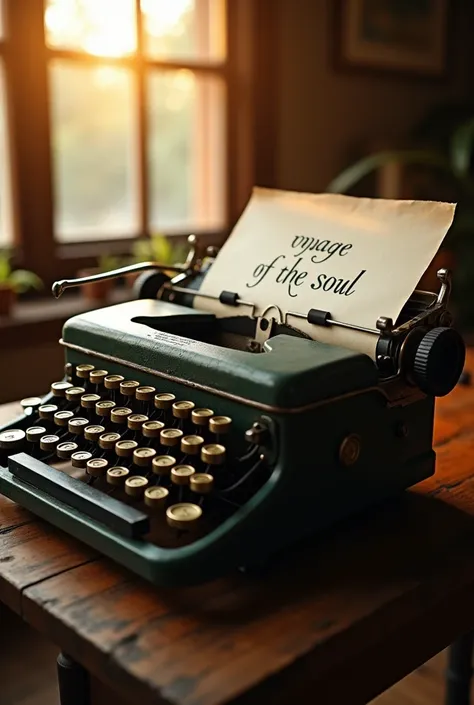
{"x":125,"y":125}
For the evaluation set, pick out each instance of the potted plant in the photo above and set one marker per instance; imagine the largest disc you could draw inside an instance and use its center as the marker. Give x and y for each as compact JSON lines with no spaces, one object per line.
{"x":157,"y":248}
{"x":448,"y":167}
{"x":99,"y":291}
{"x":14,"y":282}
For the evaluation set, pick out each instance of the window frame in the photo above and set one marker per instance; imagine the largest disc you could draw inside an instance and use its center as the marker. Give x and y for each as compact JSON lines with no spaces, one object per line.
{"x":27,"y":88}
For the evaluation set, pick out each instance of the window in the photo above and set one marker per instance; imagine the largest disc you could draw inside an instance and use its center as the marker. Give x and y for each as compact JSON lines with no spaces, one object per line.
{"x":157,"y":113}
{"x":125,"y":123}
{"x":5,"y":195}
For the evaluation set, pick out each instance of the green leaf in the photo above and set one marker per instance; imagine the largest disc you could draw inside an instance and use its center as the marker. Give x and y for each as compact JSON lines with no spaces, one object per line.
{"x":355,"y":173}
{"x":22,"y":280}
{"x":5,"y":268}
{"x":161,"y":248}
{"x":462,"y":144}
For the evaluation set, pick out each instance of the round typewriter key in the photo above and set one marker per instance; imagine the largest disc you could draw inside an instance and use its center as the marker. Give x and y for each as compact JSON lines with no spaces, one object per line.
{"x":75,"y":393}
{"x":128,"y":387}
{"x":181,"y":474}
{"x":182,"y":409}
{"x":202,"y":483}
{"x":162,"y":464}
{"x":107,"y":441}
{"x":65,"y":450}
{"x":213,"y":454}
{"x":170,"y":437}
{"x":143,"y":456}
{"x":12,"y":439}
{"x":31,"y":403}
{"x":117,"y":475}
{"x":103,"y":408}
{"x":68,"y":369}
{"x":93,"y":433}
{"x":191,"y":445}
{"x":96,"y":467}
{"x":164,"y":401}
{"x":59,"y":389}
{"x":152,"y":429}
{"x":183,"y":516}
{"x":135,"y":485}
{"x":124,"y":449}
{"x":145,"y":393}
{"x":77,"y":425}
{"x":155,"y":497}
{"x":80,"y":458}
{"x":83,"y":371}
{"x":220,"y":424}
{"x":49,"y":442}
{"x":88,"y":401}
{"x":62,"y":418}
{"x":35,"y":433}
{"x":136,"y":421}
{"x":47,"y":411}
{"x":113,"y":381}
{"x":200,"y":417}
{"x":98,"y":376}
{"x":120,"y":414}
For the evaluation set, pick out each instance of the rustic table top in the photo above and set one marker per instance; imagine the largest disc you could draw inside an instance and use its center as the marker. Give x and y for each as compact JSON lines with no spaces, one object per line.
{"x":342,"y":617}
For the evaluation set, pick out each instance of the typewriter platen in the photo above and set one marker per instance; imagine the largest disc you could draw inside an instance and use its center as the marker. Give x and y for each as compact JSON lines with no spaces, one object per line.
{"x":183,"y":445}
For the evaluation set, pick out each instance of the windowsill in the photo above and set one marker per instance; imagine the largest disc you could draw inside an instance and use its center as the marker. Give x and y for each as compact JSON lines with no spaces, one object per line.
{"x":40,"y":321}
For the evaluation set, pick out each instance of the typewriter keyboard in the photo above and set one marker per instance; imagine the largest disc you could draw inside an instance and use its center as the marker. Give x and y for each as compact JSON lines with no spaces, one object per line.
{"x":139,"y":449}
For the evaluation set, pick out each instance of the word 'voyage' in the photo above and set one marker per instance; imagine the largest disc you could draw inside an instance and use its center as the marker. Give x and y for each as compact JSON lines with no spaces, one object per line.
{"x":293,"y":276}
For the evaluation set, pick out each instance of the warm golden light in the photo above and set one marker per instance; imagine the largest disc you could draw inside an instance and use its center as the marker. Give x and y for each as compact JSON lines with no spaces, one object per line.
{"x":108,"y":27}
{"x":99,"y":27}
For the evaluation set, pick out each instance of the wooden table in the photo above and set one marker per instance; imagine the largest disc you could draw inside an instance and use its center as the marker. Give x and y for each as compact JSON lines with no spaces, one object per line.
{"x":341,"y":619}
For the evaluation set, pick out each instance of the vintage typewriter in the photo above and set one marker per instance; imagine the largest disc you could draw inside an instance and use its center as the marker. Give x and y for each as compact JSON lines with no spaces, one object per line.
{"x":184,"y":445}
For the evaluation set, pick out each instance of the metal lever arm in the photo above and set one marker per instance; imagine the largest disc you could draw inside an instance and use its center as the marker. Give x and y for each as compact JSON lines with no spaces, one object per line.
{"x":60,"y":286}
{"x":118,"y":516}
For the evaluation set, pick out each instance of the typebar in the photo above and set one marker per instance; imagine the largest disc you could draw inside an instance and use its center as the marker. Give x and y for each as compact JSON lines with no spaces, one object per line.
{"x":126,"y":521}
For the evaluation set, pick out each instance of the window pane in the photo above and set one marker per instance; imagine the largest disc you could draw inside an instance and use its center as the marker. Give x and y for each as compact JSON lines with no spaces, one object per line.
{"x":99,"y":27}
{"x":2,"y":20}
{"x":186,"y":151}
{"x":184,"y":29}
{"x":94,"y":143}
{"x":5,"y":195}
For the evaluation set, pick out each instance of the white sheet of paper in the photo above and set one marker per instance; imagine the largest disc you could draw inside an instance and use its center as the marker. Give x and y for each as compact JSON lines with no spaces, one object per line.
{"x":357,"y":258}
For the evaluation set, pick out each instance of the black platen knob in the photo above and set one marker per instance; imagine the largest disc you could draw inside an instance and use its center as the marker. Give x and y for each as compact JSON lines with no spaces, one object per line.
{"x":148,"y":284}
{"x":439,"y":361}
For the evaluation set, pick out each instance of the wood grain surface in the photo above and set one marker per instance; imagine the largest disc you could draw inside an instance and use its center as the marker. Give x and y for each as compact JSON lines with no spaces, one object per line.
{"x":341,"y":618}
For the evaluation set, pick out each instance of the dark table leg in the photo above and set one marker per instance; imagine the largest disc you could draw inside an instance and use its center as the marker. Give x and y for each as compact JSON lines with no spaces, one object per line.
{"x":73,"y":682}
{"x":459,"y":673}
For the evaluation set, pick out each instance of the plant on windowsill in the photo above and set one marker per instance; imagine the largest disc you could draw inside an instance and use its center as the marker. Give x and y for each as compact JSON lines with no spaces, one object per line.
{"x":449,"y":165}
{"x":14,"y":282}
{"x":99,"y":292}
{"x":157,"y":248}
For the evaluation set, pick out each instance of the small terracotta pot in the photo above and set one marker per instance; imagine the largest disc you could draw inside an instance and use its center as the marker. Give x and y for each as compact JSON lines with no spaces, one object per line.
{"x":95,"y":291}
{"x":7,"y":299}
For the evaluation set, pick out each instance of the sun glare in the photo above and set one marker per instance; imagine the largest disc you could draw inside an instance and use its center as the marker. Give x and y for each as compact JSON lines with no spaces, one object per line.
{"x":108,"y":27}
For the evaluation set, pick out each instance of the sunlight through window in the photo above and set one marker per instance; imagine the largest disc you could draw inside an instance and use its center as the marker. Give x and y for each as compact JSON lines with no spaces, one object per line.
{"x":184,"y":29}
{"x":5,"y":196}
{"x":98,"y":27}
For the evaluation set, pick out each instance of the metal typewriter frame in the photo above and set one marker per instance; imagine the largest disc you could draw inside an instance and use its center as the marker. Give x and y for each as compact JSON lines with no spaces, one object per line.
{"x":198,"y":559}
{"x":392,"y":338}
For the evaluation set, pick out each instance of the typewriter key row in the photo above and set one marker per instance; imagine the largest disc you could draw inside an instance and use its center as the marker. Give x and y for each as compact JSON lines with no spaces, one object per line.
{"x":141,"y":446}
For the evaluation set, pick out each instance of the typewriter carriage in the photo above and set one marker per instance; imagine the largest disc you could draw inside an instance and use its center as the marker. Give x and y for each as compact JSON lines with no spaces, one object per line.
{"x":406,"y":349}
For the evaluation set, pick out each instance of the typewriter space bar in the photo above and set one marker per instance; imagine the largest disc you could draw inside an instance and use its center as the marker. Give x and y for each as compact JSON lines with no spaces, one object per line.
{"x":126,"y":521}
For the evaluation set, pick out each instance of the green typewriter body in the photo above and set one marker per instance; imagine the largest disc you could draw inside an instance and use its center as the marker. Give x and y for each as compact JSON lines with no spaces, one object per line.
{"x":184,"y":446}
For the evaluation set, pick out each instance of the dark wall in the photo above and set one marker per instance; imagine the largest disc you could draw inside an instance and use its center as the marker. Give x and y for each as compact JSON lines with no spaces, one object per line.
{"x":323,"y":113}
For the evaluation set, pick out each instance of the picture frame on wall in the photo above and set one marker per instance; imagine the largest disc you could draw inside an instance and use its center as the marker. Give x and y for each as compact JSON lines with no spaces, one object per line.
{"x":402,"y":36}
